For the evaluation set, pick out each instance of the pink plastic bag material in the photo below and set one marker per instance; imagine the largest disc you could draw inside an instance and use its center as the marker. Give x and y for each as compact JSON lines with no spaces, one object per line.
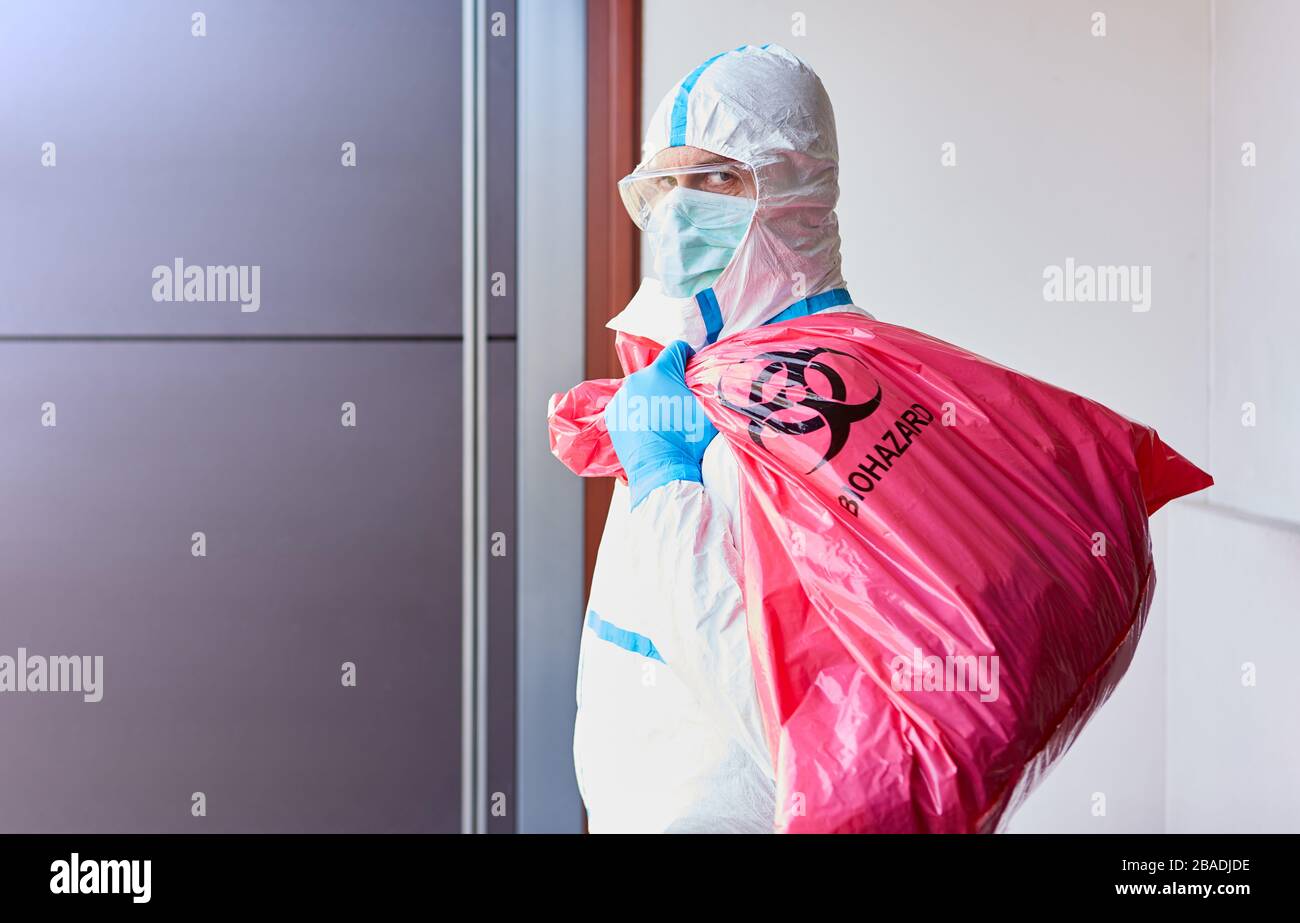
{"x":947,"y":564}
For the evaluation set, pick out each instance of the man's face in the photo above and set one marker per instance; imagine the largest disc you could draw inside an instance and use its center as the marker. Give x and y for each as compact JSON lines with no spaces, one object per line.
{"x":722,"y":183}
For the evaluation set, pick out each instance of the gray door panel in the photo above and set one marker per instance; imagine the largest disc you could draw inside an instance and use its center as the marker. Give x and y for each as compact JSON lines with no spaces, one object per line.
{"x":222,"y":674}
{"x":226,"y":150}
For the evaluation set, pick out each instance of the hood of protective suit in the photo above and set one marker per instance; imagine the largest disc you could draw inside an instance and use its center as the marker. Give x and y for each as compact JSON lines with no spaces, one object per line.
{"x":764,"y":107}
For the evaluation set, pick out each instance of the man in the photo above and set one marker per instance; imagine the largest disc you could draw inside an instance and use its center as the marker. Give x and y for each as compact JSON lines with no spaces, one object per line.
{"x":737,"y":194}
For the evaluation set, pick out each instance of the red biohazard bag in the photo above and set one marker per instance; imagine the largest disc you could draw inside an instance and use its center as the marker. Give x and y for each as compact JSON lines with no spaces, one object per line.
{"x":947,"y":564}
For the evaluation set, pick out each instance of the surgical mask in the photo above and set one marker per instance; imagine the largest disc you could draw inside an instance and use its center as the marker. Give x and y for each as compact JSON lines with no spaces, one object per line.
{"x":694,"y":235}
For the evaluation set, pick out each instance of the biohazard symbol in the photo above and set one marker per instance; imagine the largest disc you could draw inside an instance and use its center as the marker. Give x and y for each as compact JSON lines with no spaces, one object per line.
{"x":781,"y":399}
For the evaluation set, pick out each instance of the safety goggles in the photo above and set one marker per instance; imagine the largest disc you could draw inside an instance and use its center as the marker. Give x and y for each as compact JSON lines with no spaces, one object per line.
{"x":643,"y":190}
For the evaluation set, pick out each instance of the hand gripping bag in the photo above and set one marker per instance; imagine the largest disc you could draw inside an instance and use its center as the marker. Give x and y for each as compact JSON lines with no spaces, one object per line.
{"x":946,"y":563}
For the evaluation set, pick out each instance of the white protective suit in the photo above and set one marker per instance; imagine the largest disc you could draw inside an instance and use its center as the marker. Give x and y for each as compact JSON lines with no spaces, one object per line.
{"x":669,"y":737}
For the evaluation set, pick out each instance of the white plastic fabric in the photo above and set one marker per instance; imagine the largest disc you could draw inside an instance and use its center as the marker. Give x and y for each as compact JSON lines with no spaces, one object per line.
{"x":675,"y":743}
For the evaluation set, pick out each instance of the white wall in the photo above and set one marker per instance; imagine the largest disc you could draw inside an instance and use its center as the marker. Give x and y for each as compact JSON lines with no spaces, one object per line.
{"x":1256,"y":324}
{"x":1233,"y":760}
{"x":1233,"y":756}
{"x":1070,"y":145}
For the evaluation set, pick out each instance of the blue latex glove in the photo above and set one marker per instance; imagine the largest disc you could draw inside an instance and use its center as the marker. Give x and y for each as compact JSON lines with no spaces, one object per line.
{"x":658,"y":428}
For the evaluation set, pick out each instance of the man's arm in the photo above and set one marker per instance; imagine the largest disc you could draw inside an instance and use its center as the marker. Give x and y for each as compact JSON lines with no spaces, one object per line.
{"x":685,"y":535}
{"x":682,"y":544}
